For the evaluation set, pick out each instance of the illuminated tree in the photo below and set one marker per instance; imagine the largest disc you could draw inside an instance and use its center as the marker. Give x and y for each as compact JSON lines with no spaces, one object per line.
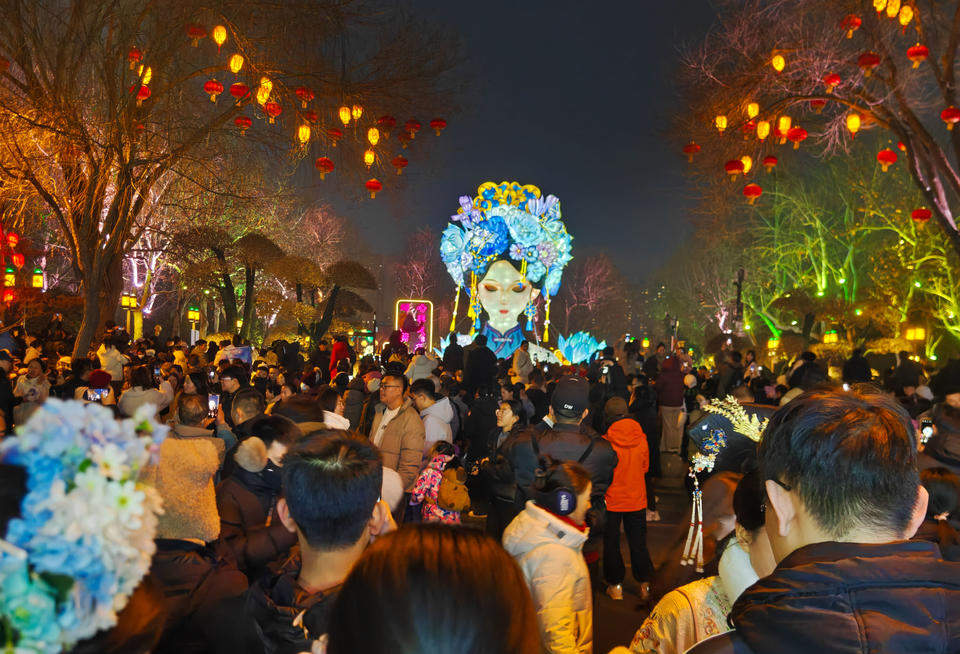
{"x":876,"y":81}
{"x":103,"y":105}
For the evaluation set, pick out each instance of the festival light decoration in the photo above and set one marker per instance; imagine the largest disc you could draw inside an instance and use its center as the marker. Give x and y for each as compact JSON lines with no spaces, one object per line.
{"x":324,"y":165}
{"x":235,"y":63}
{"x":135,"y":56}
{"x":893,"y":8}
{"x":831,"y":337}
{"x":438,"y":125}
{"x":778,"y":62}
{"x":734,"y":167}
{"x":879,"y":5}
{"x":219,"y":36}
{"x":747,"y":164}
{"x":239,"y":90}
{"x":374,"y":186}
{"x":145,"y":73}
{"x":272,"y":109}
{"x":264,"y":91}
{"x":10,"y":277}
{"x":851,"y":24}
{"x":753,"y":110}
{"x":691,"y":149}
{"x":921,"y":216}
{"x":399,"y":162}
{"x":213,"y":88}
{"x":310,"y":116}
{"x":853,"y":124}
{"x":17,"y":259}
{"x":13,"y":239}
{"x":243,"y":122}
{"x":305,"y":94}
{"x":951,"y":116}
{"x":763,"y":130}
{"x":770,"y":162}
{"x":721,"y":122}
{"x":369,"y":157}
{"x":752,"y":192}
{"x":143,"y":93}
{"x":915,"y":334}
{"x":906,"y":15}
{"x":373,"y":135}
{"x":303,"y":134}
{"x":334,"y":134}
{"x":37,"y":279}
{"x":867,"y":62}
{"x":344,"y":114}
{"x":887,"y":158}
{"x":832,"y":81}
{"x":797,"y":135}
{"x":817,"y":104}
{"x":195,"y":33}
{"x":783,"y":127}
{"x":412,"y":127}
{"x":918,"y":54}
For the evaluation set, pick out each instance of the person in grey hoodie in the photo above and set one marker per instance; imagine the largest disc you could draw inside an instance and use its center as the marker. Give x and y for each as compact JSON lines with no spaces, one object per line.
{"x":436,"y":412}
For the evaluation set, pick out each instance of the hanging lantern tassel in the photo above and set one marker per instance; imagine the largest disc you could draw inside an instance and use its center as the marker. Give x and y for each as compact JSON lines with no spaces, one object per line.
{"x":456,"y":307}
{"x":475,"y":308}
{"x":693,"y":548}
{"x":546,"y":321}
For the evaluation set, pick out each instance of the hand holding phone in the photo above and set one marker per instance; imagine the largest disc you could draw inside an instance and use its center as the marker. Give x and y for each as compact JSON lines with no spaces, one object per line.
{"x":213,"y":404}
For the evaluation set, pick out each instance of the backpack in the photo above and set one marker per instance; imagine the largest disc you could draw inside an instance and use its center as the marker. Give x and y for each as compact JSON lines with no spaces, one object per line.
{"x":452,"y":494}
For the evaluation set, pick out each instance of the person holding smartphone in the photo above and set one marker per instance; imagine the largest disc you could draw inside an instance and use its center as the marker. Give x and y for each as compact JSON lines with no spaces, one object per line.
{"x":143,"y":390}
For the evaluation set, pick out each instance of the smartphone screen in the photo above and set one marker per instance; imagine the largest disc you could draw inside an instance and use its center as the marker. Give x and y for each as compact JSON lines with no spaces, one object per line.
{"x":94,"y":394}
{"x":213,"y":402}
{"x":211,"y":375}
{"x":156,"y":371}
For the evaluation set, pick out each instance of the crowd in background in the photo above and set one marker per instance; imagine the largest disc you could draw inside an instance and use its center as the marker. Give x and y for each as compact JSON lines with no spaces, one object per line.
{"x":287,"y":473}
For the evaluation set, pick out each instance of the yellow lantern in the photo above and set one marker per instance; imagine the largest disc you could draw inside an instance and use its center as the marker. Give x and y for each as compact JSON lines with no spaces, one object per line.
{"x":37,"y":278}
{"x":303,"y":134}
{"x":830,"y":337}
{"x":356,"y":112}
{"x":236,"y":63}
{"x":10,"y":277}
{"x":146,"y":74}
{"x":773,"y":344}
{"x":747,"y":164}
{"x":369,"y":157}
{"x":906,"y":15}
{"x":645,"y":343}
{"x":193,"y":314}
{"x":879,"y":5}
{"x":344,"y":115}
{"x":763,"y":130}
{"x":753,"y":109}
{"x":264,"y":90}
{"x":219,"y":36}
{"x":373,"y":135}
{"x":853,"y":124}
{"x":783,"y":126}
{"x":893,"y":8}
{"x":778,"y":63}
{"x":721,"y":122}
{"x":125,"y":300}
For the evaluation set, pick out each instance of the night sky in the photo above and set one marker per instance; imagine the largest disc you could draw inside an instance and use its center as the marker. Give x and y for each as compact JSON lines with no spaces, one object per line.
{"x":570,"y":98}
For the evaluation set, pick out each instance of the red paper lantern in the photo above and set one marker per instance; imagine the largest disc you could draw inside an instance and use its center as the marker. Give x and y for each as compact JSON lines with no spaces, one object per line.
{"x":752,"y":192}
{"x":798,"y":135}
{"x":404,"y":139}
{"x":272,"y":109}
{"x":334,"y":134}
{"x":386,"y":122}
{"x":13,"y":239}
{"x":951,"y":116}
{"x":213,"y":88}
{"x":243,"y":122}
{"x":851,"y":24}
{"x":373,"y":186}
{"x":143,"y":93}
{"x":310,"y":116}
{"x":438,"y":125}
{"x":918,"y":54}
{"x":832,"y":81}
{"x":734,"y":167}
{"x":921,"y":216}
{"x":690,"y":149}
{"x":887,"y":158}
{"x":748,"y":128}
{"x":17,"y":260}
{"x":196,"y":32}
{"x":8,"y":296}
{"x":324,"y":165}
{"x":868,"y":61}
{"x":400,"y":162}
{"x":239,"y":90}
{"x":817,"y":104}
{"x":770,"y":163}
{"x":412,"y":127}
{"x":134,"y":57}
{"x":305,"y":95}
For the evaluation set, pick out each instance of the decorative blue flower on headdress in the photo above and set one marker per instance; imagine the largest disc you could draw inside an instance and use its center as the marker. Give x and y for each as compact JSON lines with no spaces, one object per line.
{"x":507,"y":220}
{"x":579,"y":347}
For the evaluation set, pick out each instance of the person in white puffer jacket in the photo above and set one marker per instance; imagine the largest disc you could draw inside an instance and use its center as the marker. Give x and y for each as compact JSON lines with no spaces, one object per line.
{"x":546,"y":539}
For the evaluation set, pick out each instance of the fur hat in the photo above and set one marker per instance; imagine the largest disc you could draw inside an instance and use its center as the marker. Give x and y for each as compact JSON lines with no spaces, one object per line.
{"x":251,"y":455}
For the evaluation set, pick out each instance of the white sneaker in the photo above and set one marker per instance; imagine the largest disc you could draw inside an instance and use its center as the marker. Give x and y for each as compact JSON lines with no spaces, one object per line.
{"x":615,"y":592}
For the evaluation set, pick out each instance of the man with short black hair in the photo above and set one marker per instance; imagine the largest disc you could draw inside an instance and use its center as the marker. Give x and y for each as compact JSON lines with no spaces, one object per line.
{"x":479,"y":366}
{"x":285,"y":612}
{"x":844,"y":497}
{"x":398,"y":430}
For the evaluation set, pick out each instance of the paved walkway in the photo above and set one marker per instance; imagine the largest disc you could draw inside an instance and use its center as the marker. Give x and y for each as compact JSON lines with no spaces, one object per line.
{"x":615,"y":622}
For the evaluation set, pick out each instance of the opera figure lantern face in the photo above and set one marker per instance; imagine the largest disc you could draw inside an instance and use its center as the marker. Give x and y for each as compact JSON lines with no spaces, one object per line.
{"x":504,"y":294}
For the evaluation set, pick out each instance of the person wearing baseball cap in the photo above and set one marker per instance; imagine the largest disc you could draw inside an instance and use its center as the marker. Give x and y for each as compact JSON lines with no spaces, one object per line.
{"x":566,"y":440}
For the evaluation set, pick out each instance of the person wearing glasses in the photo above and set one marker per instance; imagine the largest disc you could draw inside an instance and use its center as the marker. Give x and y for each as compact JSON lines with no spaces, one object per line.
{"x":398,"y":430}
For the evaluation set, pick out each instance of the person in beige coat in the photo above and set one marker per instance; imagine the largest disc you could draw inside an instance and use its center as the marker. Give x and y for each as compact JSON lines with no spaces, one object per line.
{"x":398,"y":430}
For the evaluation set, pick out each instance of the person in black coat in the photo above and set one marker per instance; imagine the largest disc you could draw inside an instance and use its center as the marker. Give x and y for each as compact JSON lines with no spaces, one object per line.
{"x":453,"y":356}
{"x":856,"y":370}
{"x":6,"y":390}
{"x":479,"y":366}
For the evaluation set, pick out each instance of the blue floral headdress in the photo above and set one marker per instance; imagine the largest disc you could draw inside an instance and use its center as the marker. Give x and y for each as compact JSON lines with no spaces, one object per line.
{"x":85,"y":536}
{"x":506,"y":221}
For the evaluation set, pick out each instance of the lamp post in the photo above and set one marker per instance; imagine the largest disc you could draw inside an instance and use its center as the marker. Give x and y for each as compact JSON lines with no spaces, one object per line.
{"x":129,"y":303}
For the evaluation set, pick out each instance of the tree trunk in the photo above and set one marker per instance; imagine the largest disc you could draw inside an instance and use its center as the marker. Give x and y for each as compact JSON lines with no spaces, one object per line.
{"x":101,"y":297}
{"x":319,"y":328}
{"x":250,"y":278}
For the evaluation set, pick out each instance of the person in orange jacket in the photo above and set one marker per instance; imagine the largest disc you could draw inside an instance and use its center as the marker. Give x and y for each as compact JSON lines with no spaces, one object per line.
{"x":626,"y":500}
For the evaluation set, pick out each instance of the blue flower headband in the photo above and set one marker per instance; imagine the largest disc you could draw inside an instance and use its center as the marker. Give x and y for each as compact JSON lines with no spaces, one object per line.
{"x":507,"y":220}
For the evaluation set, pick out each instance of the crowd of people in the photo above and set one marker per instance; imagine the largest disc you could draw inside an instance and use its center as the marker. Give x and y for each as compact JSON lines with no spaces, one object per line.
{"x":287,"y":473}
